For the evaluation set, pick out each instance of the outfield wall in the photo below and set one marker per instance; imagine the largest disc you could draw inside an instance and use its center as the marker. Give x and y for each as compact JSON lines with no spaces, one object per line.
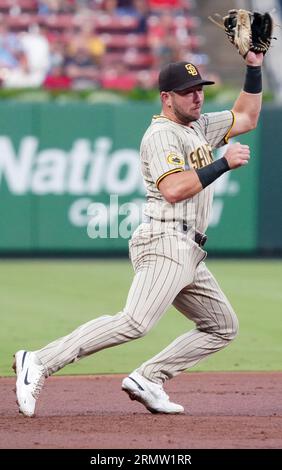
{"x":65,"y":166}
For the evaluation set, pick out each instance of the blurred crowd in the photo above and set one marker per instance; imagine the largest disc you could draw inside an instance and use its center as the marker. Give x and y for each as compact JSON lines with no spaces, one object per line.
{"x":111,"y":44}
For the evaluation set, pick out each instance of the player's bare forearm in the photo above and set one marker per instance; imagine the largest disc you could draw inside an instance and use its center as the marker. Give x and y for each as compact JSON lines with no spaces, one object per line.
{"x":246,"y":111}
{"x":247,"y":107}
{"x":183,"y":185}
{"x":179,"y":186}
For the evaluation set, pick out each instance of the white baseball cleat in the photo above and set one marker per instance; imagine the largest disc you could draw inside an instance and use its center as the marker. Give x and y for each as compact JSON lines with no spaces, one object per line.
{"x":30,"y":380}
{"x":151,"y":395}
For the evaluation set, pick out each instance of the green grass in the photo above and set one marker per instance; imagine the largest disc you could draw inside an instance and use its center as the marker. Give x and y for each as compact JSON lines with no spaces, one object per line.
{"x":42,"y":300}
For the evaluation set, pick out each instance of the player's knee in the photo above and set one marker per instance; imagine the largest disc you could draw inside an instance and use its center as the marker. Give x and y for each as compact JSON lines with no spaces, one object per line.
{"x":136,"y":329}
{"x":226,"y":328}
{"x":231,"y":329}
{"x":142,"y":330}
{"x":233,"y":332}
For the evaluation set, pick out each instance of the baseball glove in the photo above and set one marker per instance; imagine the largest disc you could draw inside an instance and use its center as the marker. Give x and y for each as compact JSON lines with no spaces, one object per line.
{"x":248,"y":31}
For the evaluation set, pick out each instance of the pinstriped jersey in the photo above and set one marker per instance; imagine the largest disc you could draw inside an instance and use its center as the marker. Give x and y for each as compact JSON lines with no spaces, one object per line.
{"x":168,"y":147}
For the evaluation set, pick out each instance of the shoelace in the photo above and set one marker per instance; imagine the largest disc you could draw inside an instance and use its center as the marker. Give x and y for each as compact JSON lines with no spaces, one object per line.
{"x":38,"y":384}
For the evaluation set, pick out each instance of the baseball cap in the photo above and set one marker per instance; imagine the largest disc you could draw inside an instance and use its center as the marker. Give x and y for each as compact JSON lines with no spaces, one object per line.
{"x":178,"y":76}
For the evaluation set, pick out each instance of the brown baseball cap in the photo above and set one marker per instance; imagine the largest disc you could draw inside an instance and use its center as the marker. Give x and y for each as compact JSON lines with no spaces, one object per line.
{"x":178,"y":76}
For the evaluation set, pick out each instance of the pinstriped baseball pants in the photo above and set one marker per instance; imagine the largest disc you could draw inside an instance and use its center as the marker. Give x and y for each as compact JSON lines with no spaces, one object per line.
{"x":169,"y":269}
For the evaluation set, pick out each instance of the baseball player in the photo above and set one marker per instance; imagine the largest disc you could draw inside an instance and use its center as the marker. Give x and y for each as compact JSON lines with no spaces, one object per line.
{"x":167,"y":248}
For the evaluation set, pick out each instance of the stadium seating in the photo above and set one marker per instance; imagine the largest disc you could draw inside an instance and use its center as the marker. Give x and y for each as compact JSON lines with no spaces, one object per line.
{"x":124,"y":41}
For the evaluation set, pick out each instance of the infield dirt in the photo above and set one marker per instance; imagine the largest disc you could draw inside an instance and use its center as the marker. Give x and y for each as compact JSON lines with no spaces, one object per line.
{"x":222,"y":410}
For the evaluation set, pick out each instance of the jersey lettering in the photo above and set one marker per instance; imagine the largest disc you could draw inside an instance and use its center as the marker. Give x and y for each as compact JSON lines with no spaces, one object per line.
{"x":200,"y":157}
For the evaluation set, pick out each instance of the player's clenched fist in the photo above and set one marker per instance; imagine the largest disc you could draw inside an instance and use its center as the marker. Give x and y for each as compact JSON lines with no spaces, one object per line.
{"x":237,"y":155}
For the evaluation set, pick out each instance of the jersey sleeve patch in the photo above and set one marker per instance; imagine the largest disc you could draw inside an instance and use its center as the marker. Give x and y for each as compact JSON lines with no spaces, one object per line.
{"x":174,"y":159}
{"x":170,"y":172}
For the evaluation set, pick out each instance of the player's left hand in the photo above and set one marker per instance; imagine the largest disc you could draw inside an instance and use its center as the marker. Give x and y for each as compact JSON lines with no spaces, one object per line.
{"x":247,"y":31}
{"x":254,"y":59}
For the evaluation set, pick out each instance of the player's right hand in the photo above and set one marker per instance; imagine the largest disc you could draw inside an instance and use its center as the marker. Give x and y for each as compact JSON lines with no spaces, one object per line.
{"x":237,"y":155}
